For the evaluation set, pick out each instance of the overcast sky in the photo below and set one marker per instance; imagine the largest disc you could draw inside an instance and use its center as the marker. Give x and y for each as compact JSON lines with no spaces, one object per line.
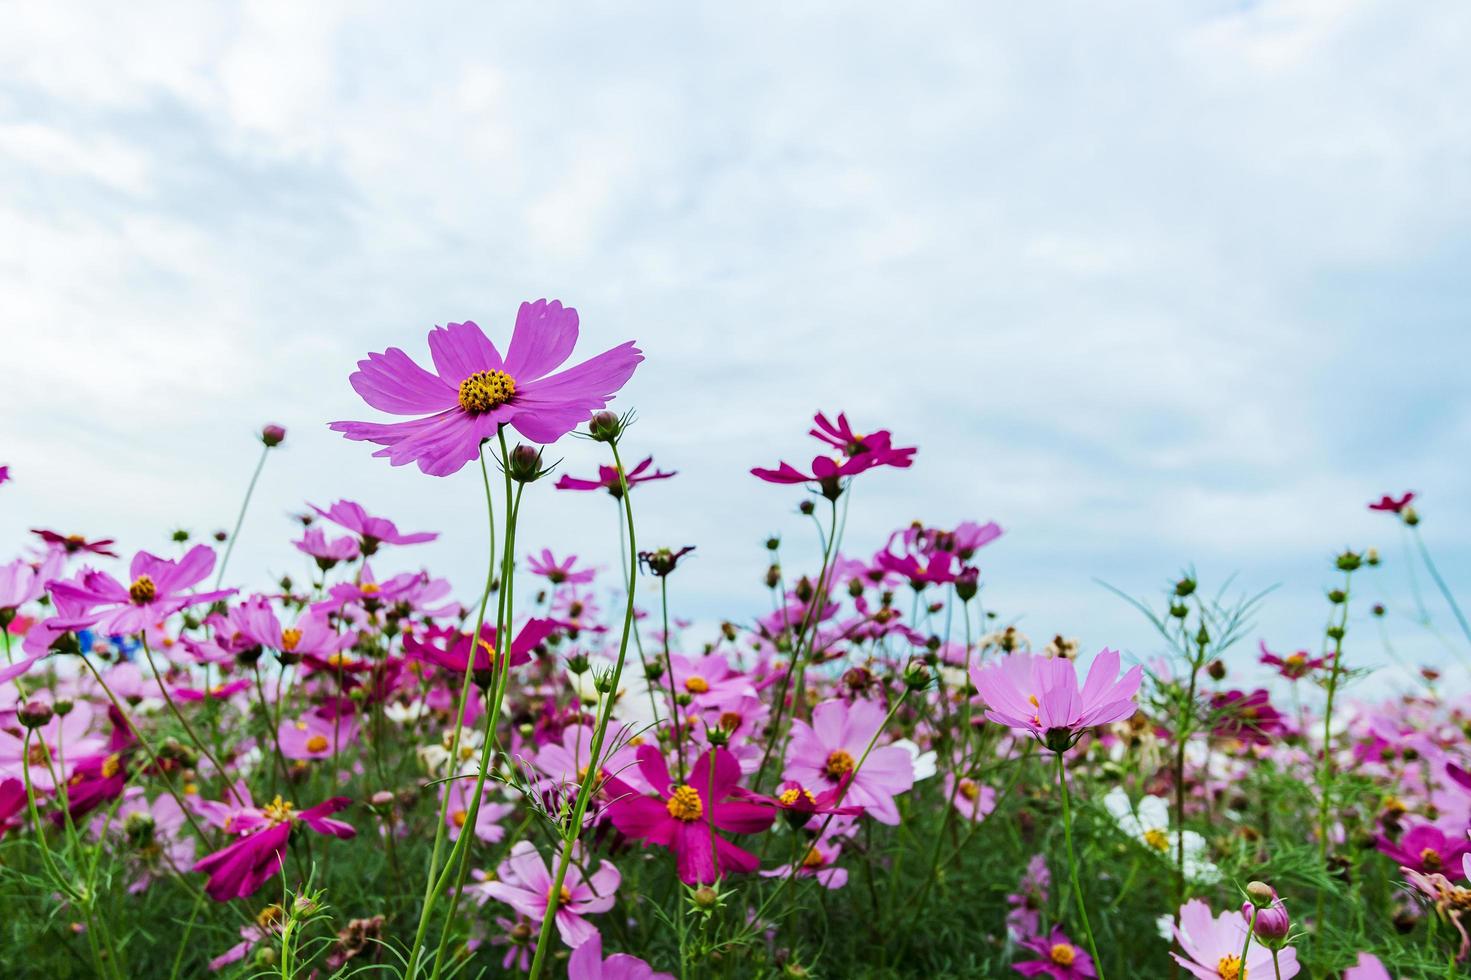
{"x":1148,"y":283}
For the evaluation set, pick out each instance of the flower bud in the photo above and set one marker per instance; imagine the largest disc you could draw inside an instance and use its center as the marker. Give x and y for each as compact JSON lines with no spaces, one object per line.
{"x":578,"y":663}
{"x":1216,"y":669}
{"x":1410,"y":516}
{"x":705,"y":897}
{"x":773,"y":576}
{"x":63,"y":706}
{"x":1349,"y":561}
{"x":806,"y":507}
{"x":221,"y":536}
{"x":916,"y":677}
{"x":1185,"y":587}
{"x":1371,"y":558}
{"x":604,"y":426}
{"x":382,"y":799}
{"x":1260,"y":894}
{"x":1272,"y":921}
{"x":525,"y":464}
{"x":273,"y":435}
{"x":967,"y":583}
{"x":34,"y":714}
{"x":773,"y":543}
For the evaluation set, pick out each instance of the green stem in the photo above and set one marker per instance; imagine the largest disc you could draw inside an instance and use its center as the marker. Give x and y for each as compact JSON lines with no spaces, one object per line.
{"x":188,"y":729}
{"x":1440,"y":584}
{"x":573,"y":830}
{"x":240,"y":517}
{"x":669,"y":668}
{"x":431,"y":875}
{"x":1072,"y":860}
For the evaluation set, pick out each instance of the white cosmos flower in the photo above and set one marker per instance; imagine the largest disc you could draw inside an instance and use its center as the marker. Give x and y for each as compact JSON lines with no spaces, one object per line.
{"x":924,"y":762}
{"x":1149,"y":824}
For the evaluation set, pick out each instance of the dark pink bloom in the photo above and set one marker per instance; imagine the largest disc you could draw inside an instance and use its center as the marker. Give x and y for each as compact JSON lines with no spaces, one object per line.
{"x":825,"y":471}
{"x":22,"y":582}
{"x":1392,"y":504}
{"x":159,"y":588}
{"x":1024,"y":916}
{"x":829,"y":749}
{"x":220,"y":692}
{"x":450,"y":648}
{"x":240,"y":868}
{"x":684,"y":817}
{"x":1427,"y":849}
{"x":1041,"y":694}
{"x":1294,"y":666}
{"x":587,"y":963}
{"x":608,"y":478}
{"x":525,"y":885}
{"x":327,"y":553}
{"x":1060,"y":958}
{"x":371,"y":531}
{"x":878,"y":445}
{"x":74,"y":543}
{"x":1246,"y":717}
{"x":12,"y":802}
{"x":933,"y":569}
{"x":559,"y":572}
{"x":474,"y":391}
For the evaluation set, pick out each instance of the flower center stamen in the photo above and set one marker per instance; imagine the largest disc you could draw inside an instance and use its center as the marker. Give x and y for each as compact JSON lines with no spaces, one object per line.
{"x":696,"y":684}
{"x":1229,"y":967}
{"x":684,"y":804}
{"x":969,"y":789}
{"x":290,"y":637}
{"x":142,"y":591}
{"x":486,"y":390}
{"x":317,"y":743}
{"x":1157,"y":839}
{"x":1062,"y":954}
{"x":839,"y":764}
{"x":278,"y":811}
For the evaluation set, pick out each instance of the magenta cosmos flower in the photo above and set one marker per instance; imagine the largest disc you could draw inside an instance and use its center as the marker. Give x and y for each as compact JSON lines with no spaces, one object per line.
{"x":159,"y":588}
{"x":1394,"y":505}
{"x":878,"y":445}
{"x":829,"y":749}
{"x":1294,"y":666}
{"x":371,"y":531}
{"x":474,"y":391}
{"x":1213,"y":947}
{"x":1041,"y":695}
{"x":684,"y":817}
{"x":1427,"y":849}
{"x":608,"y":478}
{"x":564,"y":572}
{"x":74,"y":543}
{"x":1060,"y":958}
{"x":525,"y":885}
{"x":240,"y":868}
{"x":587,"y":963}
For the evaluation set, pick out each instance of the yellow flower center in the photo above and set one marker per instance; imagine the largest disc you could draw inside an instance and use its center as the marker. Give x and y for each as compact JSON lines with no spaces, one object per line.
{"x":1430,"y":858}
{"x":278,"y":811}
{"x":790,"y":796}
{"x":142,"y":591}
{"x":696,"y":684}
{"x":1062,"y":954}
{"x":111,"y":766}
{"x":339,"y":659}
{"x":459,"y":817}
{"x":485,"y":390}
{"x":269,"y":916}
{"x":317,"y":743}
{"x":289,"y":639}
{"x":1229,"y":967}
{"x":564,"y":897}
{"x":813,"y":859}
{"x":368,"y":588}
{"x":969,"y":789}
{"x":730,"y":720}
{"x":684,"y":804}
{"x":839,"y":764}
{"x":1296,"y":660}
{"x":1157,"y":839}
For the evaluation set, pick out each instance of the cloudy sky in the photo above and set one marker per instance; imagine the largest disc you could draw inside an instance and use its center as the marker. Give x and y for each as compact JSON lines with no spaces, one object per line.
{"x":1149,"y":284}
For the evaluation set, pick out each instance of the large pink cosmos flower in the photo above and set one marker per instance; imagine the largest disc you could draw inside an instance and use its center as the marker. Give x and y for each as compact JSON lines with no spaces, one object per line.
{"x":1427,"y":849}
{"x":239,"y":869}
{"x":475,"y":391}
{"x":159,"y":588}
{"x":525,"y":885}
{"x":684,"y":817}
{"x":1040,"y":694}
{"x":1059,"y":959}
{"x":587,"y":963}
{"x":371,"y":531}
{"x":608,"y":478}
{"x":449,"y":648}
{"x":830,"y":748}
{"x":1213,"y":945}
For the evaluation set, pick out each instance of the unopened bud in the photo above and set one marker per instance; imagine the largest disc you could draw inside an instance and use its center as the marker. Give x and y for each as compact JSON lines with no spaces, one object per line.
{"x":705,"y":897}
{"x":34,"y":714}
{"x":273,"y":435}
{"x":604,"y":427}
{"x":525,"y":464}
{"x":1217,"y":670}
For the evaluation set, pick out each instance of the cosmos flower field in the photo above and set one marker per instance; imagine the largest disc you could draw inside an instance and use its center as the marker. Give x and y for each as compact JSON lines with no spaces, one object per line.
{"x":364,"y":770}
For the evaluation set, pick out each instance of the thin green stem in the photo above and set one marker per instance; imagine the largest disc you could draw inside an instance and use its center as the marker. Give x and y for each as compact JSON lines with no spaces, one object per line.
{"x":1441,"y":585}
{"x":240,"y":517}
{"x":1072,"y":860}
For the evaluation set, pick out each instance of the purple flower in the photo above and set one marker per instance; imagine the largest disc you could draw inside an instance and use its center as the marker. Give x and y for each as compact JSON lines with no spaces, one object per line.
{"x":829,"y":749}
{"x":587,"y":963}
{"x":559,"y":572}
{"x":474,"y":391}
{"x":608,"y":478}
{"x":240,"y":868}
{"x":371,"y":531}
{"x":525,"y":885}
{"x":1427,"y":849}
{"x":1212,"y":946}
{"x":1060,"y":959}
{"x":1041,"y":695}
{"x":327,"y":553}
{"x":158,"y":590}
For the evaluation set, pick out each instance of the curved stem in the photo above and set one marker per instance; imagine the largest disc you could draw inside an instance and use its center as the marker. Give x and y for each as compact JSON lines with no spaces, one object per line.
{"x":1440,"y":584}
{"x":1067,"y":833}
{"x":189,"y":729}
{"x":240,"y":517}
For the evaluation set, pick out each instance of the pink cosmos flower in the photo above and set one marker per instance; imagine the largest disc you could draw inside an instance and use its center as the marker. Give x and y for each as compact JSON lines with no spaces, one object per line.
{"x":1246,"y":717}
{"x":973,"y":800}
{"x":565,"y":764}
{"x":12,"y":802}
{"x":559,"y":572}
{"x":1040,"y":694}
{"x":608,"y":478}
{"x":525,"y":884}
{"x":1393,"y":505}
{"x":587,"y":963}
{"x":1213,"y":946}
{"x":1368,"y":967}
{"x":22,"y":582}
{"x":158,"y":590}
{"x":371,"y":531}
{"x":820,"y":861}
{"x":312,"y":633}
{"x":239,"y":869}
{"x":878,"y":444}
{"x":220,"y":692}
{"x":1024,"y":915}
{"x":487,"y":819}
{"x":1427,"y":849}
{"x":1060,"y":959}
{"x":1294,"y":666}
{"x":72,"y":544}
{"x":830,"y":748}
{"x":327,"y":553}
{"x":475,"y":391}
{"x":314,"y":737}
{"x":684,"y":817}
{"x":706,"y":679}
{"x":450,"y":648}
